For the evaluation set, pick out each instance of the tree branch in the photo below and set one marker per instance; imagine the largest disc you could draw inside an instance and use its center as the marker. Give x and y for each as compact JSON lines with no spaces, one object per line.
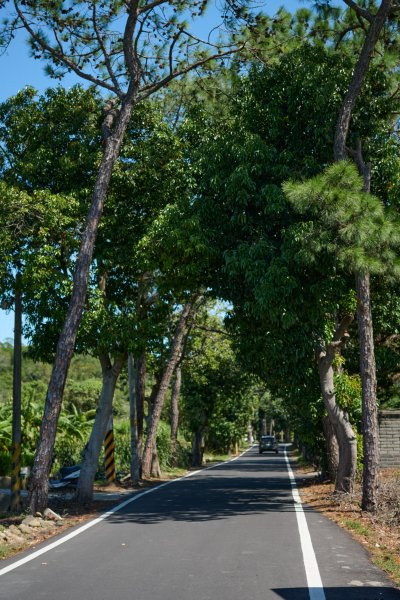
{"x":60,"y":56}
{"x":150,"y":88}
{"x":104,"y":50}
{"x":362,"y":12}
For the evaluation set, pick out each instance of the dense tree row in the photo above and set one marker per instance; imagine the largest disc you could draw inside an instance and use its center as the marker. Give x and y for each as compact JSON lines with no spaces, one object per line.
{"x":269,"y":182}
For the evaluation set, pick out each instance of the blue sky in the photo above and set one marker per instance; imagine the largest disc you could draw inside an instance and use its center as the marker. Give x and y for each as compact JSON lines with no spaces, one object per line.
{"x":19,"y":69}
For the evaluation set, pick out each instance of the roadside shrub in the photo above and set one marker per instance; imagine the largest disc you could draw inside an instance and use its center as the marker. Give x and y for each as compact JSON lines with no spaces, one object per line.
{"x":5,"y":463}
{"x":67,"y":452}
{"x":389,"y":499}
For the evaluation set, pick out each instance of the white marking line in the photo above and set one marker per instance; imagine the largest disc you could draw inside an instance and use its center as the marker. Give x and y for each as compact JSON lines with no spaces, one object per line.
{"x":104,"y":516}
{"x":314,"y":582}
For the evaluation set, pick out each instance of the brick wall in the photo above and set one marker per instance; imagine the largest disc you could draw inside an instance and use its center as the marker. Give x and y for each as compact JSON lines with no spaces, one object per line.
{"x":389,"y":433}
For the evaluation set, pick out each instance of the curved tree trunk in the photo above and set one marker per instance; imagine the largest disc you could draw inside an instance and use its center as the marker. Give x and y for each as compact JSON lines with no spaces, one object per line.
{"x":84,"y":492}
{"x":176,"y":350}
{"x":38,"y":483}
{"x":346,"y":438}
{"x":332,"y":448}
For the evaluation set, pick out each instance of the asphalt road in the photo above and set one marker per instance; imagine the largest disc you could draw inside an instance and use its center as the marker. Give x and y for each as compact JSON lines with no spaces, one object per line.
{"x":226,"y":533}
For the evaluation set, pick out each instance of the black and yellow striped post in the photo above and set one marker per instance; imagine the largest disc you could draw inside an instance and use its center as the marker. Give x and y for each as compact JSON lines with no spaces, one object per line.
{"x":16,"y":482}
{"x":109,"y":460}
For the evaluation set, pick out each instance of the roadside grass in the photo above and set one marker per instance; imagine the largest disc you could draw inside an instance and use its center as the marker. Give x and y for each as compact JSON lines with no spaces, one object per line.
{"x":379,"y":534}
{"x":357,"y":527}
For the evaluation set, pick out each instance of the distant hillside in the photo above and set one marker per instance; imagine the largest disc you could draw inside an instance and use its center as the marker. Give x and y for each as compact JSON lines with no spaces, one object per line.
{"x":83,"y":384}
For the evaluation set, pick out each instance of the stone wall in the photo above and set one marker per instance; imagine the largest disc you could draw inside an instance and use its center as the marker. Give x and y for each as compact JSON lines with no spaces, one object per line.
{"x":389,"y":433}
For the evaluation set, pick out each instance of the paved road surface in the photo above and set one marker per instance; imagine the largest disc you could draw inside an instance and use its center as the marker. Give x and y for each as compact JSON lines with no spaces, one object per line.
{"x":227,"y":533}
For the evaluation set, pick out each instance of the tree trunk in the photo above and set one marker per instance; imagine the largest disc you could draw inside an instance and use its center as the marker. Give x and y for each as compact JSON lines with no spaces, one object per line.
{"x":198,"y":448}
{"x":136,"y":377}
{"x":133,"y":402}
{"x":249,"y":434}
{"x":15,"y":501}
{"x":155,"y":464}
{"x":141,"y":391}
{"x":346,"y":438}
{"x":367,"y":356}
{"x":110,"y":374}
{"x":38,"y":485}
{"x":347,"y":466}
{"x":159,"y":400}
{"x":359,"y":74}
{"x":175,"y":393}
{"x":370,"y":425}
{"x":332,"y":448}
{"x":263,"y":426}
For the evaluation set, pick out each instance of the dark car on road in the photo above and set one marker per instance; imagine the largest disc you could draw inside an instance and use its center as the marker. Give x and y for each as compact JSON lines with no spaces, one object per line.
{"x":268,"y":442}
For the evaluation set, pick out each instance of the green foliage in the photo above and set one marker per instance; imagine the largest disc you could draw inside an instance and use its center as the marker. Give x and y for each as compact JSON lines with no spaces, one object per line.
{"x":217,"y":395}
{"x":345,"y":221}
{"x":5,"y":462}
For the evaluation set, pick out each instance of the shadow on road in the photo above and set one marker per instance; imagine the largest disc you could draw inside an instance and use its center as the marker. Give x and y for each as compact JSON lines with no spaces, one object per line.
{"x":341,"y":593}
{"x":224,"y":493}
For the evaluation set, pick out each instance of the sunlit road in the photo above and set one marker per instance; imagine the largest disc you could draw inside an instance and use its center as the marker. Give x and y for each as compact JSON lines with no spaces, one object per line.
{"x":226,"y":533}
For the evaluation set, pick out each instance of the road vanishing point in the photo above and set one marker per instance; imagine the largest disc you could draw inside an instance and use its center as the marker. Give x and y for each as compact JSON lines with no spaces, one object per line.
{"x":236,"y":531}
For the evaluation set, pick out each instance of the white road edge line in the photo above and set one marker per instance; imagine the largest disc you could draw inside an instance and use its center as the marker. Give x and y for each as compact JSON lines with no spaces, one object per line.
{"x":314,"y":581}
{"x":104,"y":516}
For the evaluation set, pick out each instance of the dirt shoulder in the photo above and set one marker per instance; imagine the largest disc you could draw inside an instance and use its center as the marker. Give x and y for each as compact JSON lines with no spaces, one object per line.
{"x":379,"y":534}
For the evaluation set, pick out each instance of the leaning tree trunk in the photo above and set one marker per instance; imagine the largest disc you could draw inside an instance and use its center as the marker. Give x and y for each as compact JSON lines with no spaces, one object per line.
{"x":176,"y":350}
{"x":38,"y":484}
{"x":155,"y":470}
{"x":367,"y":355}
{"x":175,"y":393}
{"x":110,"y":374}
{"x":346,"y":438}
{"x":137,"y":381}
{"x":332,"y":448}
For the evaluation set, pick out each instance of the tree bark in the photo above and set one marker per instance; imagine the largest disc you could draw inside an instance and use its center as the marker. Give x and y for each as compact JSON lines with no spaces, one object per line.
{"x":365,"y":332}
{"x":370,"y":425}
{"x":176,"y":350}
{"x":136,"y":377}
{"x":110,"y":374}
{"x":141,"y":390}
{"x":15,"y":500}
{"x":332,"y":448}
{"x":38,"y":485}
{"x":359,"y":74}
{"x":133,"y":402}
{"x":198,"y":448}
{"x":347,"y":441}
{"x":175,"y":393}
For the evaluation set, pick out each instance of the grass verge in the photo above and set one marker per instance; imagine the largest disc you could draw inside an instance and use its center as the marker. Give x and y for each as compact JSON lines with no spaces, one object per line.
{"x":379,"y":534}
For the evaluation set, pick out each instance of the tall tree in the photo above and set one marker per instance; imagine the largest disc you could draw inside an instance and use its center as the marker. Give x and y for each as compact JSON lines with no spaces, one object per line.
{"x":375,"y":22}
{"x":107,"y":45}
